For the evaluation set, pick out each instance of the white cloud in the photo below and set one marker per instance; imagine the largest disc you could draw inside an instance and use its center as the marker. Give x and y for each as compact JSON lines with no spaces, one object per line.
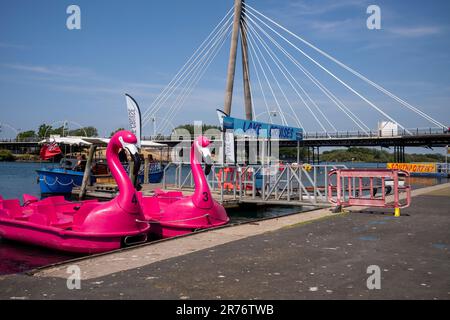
{"x":80,"y":80}
{"x":414,"y":32}
{"x":50,"y":70}
{"x":333,"y":26}
{"x":319,"y":8}
{"x":11,"y":45}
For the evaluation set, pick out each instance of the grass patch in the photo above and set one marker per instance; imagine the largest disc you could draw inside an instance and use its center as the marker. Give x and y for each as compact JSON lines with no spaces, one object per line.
{"x":6,"y":155}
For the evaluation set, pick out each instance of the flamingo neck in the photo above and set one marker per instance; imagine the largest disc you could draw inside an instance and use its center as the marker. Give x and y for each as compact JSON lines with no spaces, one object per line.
{"x":127,"y":198}
{"x":202,"y":194}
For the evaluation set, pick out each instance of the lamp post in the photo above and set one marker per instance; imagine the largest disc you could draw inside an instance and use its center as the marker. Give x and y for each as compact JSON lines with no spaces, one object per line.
{"x":65,"y":124}
{"x":446,"y":160}
{"x":272,"y":114}
{"x":154,"y":127}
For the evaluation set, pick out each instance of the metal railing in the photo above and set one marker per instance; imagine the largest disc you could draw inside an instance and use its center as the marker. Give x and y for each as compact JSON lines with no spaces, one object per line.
{"x":351,"y":134}
{"x":375,"y":134}
{"x":443,"y":168}
{"x":273,"y":184}
{"x":306,"y":135}
{"x":25,"y":140}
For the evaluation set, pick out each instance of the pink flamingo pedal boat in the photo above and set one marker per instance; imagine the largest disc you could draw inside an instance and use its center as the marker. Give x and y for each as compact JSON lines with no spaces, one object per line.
{"x":81,"y":227}
{"x":172,"y":214}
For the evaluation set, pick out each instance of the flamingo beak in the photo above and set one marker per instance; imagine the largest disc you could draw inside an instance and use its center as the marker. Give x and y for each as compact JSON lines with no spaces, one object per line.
{"x":134,"y":153}
{"x":206,"y":154}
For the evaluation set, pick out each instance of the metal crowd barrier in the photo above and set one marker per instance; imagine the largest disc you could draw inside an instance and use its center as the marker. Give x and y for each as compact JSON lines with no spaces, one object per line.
{"x":369,"y":187}
{"x":288,"y":183}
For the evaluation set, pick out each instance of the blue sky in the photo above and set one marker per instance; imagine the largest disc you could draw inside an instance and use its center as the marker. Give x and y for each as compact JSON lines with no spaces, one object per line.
{"x":49,"y":73}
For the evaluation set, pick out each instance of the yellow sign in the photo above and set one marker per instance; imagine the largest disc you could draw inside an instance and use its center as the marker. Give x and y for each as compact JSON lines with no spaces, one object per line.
{"x":413,"y":167}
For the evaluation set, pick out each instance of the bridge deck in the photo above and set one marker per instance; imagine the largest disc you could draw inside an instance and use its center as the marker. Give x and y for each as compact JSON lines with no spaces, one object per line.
{"x":416,"y":138}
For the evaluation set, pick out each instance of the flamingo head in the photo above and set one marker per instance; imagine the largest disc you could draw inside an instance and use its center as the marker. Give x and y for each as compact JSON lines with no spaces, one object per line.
{"x":202,"y":145}
{"x":127,"y":140}
{"x":203,"y":141}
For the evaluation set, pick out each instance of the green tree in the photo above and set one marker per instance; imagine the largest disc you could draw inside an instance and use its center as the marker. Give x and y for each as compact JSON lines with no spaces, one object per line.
{"x":190,"y":127}
{"x":115,"y":131}
{"x":85,"y":131}
{"x":44,"y":130}
{"x":6,"y":155}
{"x":374,"y":155}
{"x":25,"y":135}
{"x":58,"y":131}
{"x":291,"y":153}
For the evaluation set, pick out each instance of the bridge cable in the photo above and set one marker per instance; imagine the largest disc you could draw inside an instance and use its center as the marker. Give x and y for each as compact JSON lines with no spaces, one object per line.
{"x":252,"y":59}
{"x":190,"y":86}
{"x":188,"y":63}
{"x":334,"y":76}
{"x":356,"y":73}
{"x":200,"y":65}
{"x":327,"y":92}
{"x":298,"y":122}
{"x":199,"y":74}
{"x":247,"y":69}
{"x":278,"y":62}
{"x":190,"y":81}
{"x":284,"y":95}
{"x":192,"y":66}
{"x":359,"y":75}
{"x":283,"y":118}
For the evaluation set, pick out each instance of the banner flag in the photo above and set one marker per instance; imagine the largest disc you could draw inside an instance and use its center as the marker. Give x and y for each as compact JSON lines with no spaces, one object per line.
{"x":134,"y":118}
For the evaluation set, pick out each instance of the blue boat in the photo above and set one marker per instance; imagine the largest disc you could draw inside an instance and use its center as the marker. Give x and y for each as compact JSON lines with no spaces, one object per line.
{"x":69,"y":173}
{"x":58,"y":180}
{"x":155,"y":173}
{"x":61,"y":180}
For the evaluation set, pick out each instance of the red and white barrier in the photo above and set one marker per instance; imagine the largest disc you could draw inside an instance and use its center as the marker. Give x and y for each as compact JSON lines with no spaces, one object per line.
{"x":369,"y":188}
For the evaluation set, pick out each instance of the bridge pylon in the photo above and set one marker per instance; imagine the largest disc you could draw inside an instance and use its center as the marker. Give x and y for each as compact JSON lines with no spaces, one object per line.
{"x":239,"y":28}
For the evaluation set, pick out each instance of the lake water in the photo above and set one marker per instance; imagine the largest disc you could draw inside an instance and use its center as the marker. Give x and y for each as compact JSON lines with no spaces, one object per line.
{"x":18,"y":178}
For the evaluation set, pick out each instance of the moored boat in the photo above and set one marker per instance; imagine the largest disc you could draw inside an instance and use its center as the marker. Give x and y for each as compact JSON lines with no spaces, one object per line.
{"x":172,"y":214}
{"x":61,"y":179}
{"x":83,"y":227}
{"x":69,"y":173}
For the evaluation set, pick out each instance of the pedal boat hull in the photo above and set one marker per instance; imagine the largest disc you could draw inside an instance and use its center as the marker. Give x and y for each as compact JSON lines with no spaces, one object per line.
{"x":67,"y":240}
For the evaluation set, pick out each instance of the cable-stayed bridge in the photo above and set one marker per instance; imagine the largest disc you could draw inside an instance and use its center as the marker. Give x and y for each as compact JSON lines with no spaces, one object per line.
{"x":287,"y":80}
{"x":295,"y":83}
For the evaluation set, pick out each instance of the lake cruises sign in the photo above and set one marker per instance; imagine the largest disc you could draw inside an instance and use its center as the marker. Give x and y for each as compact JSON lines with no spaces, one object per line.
{"x":248,"y":128}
